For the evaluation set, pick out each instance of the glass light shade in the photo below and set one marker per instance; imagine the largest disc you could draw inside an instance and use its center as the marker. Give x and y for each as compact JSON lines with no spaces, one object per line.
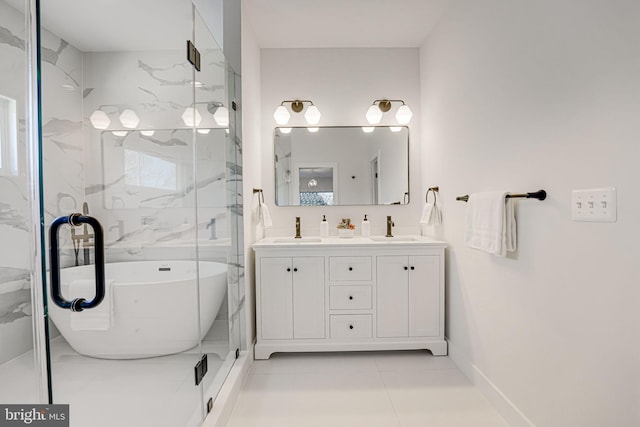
{"x":374,"y":115}
{"x":404,"y":114}
{"x":312,"y":116}
{"x":395,"y":128}
{"x":313,"y":130}
{"x":285,"y":130}
{"x":120,"y":132}
{"x":281,"y":115}
{"x":221,"y":116}
{"x":99,"y":119}
{"x":203,"y":131}
{"x":129,"y":119}
{"x":147,"y":132}
{"x":368,"y":129}
{"x":191,"y":117}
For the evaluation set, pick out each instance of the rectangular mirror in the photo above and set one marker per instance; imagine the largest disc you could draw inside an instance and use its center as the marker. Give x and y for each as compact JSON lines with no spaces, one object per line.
{"x":341,"y":165}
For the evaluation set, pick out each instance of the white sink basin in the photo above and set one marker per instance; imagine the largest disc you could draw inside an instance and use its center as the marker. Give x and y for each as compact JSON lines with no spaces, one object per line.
{"x":300,"y":240}
{"x":394,"y":239}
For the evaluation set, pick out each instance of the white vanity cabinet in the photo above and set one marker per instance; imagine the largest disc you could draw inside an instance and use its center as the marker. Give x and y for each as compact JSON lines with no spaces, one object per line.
{"x":349,"y":295}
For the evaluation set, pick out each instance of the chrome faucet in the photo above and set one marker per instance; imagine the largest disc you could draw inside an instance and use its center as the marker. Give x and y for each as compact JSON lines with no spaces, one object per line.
{"x":390,"y":224}
{"x":298,"y":236}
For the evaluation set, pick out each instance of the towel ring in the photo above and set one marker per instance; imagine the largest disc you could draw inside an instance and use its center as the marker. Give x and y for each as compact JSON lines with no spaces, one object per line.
{"x":435,"y":194}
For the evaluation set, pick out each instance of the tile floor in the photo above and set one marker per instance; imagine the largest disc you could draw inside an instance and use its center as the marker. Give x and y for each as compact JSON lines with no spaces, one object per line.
{"x":400,"y":389}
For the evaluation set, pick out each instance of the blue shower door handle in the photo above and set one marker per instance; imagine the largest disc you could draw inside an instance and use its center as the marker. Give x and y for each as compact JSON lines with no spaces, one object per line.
{"x":77,"y":304}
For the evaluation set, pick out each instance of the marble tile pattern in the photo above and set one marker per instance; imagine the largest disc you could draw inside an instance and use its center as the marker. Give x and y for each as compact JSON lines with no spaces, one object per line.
{"x":15,"y":235}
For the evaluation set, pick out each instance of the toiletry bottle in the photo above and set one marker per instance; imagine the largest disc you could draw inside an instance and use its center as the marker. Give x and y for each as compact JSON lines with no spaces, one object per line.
{"x":324,"y":227}
{"x":366,"y":227}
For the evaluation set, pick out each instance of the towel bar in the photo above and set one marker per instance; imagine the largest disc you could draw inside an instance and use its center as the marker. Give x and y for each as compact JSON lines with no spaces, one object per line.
{"x":540,"y":195}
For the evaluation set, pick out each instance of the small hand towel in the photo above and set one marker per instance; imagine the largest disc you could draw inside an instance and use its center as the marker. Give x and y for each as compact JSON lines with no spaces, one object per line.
{"x":431,"y":214}
{"x":99,"y":318}
{"x":491,"y":223}
{"x":265,"y":215}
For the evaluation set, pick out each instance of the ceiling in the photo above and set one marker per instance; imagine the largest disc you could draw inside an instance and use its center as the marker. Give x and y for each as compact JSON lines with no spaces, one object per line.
{"x":342,"y":23}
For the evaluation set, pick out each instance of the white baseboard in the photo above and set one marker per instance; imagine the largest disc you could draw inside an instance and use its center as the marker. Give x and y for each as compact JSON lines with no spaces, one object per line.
{"x":509,"y":411}
{"x":225,"y":401}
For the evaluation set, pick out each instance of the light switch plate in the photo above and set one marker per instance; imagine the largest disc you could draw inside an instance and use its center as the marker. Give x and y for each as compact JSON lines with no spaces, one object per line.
{"x":595,"y":205}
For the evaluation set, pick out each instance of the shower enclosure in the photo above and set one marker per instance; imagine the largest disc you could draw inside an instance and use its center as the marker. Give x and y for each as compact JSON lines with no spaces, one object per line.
{"x":120,"y":216}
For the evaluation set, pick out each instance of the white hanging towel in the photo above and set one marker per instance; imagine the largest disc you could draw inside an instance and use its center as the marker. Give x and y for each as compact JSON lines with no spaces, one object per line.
{"x":431,"y":214}
{"x":491,"y":223}
{"x":265,"y":215}
{"x":99,"y":318}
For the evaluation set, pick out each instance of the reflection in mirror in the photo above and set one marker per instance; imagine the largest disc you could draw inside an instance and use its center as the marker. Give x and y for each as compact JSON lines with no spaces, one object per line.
{"x":156,"y":170}
{"x":341,"y":166}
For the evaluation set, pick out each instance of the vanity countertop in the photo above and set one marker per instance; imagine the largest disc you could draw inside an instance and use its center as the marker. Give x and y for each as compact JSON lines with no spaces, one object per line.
{"x":373,"y":241}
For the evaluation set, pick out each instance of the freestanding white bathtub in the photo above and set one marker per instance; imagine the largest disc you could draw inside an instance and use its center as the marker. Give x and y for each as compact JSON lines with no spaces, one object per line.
{"x":154,"y":308}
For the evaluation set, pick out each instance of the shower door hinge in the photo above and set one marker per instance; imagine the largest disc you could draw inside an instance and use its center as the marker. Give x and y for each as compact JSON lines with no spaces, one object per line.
{"x":193,"y":55}
{"x":237,"y":353}
{"x":201,"y":369}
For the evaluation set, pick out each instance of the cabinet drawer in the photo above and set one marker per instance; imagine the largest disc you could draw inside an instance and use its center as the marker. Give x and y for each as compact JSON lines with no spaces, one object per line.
{"x":349,"y":268}
{"x":349,"y":297}
{"x":351,"y":326}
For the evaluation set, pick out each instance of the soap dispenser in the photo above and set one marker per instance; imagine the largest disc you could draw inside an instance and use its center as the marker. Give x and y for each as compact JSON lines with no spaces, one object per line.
{"x":366,"y":227}
{"x":324,"y":227}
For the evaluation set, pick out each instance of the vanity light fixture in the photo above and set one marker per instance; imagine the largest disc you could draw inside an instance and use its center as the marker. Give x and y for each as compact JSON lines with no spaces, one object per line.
{"x":191,"y":117}
{"x":313,"y":129}
{"x":99,"y":119}
{"x":395,"y":128}
{"x":282,"y":115}
{"x":220,"y":113}
{"x":147,"y":132}
{"x":129,"y":119}
{"x":285,"y":130}
{"x":368,"y":129}
{"x":203,"y":131}
{"x":381,"y":106}
{"x":120,"y":133}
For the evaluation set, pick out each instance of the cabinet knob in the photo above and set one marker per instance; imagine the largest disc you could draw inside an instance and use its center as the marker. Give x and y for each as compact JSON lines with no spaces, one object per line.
{"x":350,"y":297}
{"x":412,"y":267}
{"x":295,"y":269}
{"x":406,"y":268}
{"x":350,"y":326}
{"x":288,"y":269}
{"x":350,"y":268}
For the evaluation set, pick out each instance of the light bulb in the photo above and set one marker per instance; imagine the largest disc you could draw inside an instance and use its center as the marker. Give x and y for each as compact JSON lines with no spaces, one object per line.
{"x":404,"y":114}
{"x":312,"y":116}
{"x":221,"y":116}
{"x":129,"y":119}
{"x":281,"y":115}
{"x":191,"y":117}
{"x":374,"y":115}
{"x":99,"y":119}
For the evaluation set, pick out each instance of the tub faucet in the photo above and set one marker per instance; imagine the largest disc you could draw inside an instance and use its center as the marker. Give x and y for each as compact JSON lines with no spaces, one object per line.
{"x":298,"y":236}
{"x":212,"y":226}
{"x":83,"y":239}
{"x":390,"y":224}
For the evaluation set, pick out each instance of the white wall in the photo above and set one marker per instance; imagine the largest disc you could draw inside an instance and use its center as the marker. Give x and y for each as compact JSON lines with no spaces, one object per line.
{"x":251,"y":162}
{"x":342,"y":83}
{"x":542,"y":94}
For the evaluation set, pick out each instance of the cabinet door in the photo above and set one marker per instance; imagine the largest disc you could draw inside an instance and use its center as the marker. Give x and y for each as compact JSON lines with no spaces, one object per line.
{"x":308,"y":297}
{"x":392,"y":296}
{"x":424,"y":296}
{"x":276,"y":298}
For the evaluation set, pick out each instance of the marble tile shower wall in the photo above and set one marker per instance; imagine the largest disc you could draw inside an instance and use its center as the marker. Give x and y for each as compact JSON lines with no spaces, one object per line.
{"x":140,"y":222}
{"x":62,"y":146}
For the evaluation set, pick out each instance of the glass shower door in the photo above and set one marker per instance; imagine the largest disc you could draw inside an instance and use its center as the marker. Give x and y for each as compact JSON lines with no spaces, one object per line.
{"x":118,"y":156}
